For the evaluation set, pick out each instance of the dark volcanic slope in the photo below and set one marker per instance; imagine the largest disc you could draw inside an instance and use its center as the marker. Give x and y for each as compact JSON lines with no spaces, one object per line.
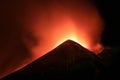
{"x":68,"y":60}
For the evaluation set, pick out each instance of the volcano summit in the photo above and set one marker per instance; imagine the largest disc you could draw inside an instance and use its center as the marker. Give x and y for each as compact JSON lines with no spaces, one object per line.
{"x":69,"y":60}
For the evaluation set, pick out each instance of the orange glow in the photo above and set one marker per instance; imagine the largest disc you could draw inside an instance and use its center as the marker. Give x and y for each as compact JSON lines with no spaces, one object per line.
{"x":68,"y":31}
{"x":57,"y":23}
{"x":69,"y":38}
{"x":46,"y":25}
{"x":59,"y":32}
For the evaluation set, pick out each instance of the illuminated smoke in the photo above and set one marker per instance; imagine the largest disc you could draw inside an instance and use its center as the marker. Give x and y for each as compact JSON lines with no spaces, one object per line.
{"x":46,"y":24}
{"x":57,"y":21}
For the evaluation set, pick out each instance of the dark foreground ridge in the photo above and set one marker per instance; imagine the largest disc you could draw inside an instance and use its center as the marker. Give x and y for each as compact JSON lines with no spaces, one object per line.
{"x":67,"y":61}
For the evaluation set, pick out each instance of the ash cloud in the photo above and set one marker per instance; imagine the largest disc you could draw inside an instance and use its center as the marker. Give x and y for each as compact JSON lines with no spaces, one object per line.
{"x":35,"y":26}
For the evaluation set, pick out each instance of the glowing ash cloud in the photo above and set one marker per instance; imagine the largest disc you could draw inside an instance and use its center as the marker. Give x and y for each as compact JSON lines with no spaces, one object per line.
{"x":55,"y":22}
{"x":43,"y":26}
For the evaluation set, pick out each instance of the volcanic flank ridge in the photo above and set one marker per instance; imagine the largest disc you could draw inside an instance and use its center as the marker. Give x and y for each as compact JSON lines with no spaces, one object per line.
{"x":69,"y":60}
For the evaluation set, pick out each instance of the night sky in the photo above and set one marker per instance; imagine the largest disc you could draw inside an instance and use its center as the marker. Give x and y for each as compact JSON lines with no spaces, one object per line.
{"x":12,"y":18}
{"x":110,"y":11}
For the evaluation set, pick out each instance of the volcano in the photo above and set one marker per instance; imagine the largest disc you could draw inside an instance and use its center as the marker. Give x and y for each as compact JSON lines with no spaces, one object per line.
{"x":69,"y":60}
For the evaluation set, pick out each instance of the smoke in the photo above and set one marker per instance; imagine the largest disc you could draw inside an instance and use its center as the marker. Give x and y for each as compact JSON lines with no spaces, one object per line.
{"x":36,"y":27}
{"x":59,"y":20}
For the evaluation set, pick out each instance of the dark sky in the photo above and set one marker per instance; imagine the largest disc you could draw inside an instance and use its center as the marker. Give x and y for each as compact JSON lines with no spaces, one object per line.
{"x":110,"y":11}
{"x":11,"y":18}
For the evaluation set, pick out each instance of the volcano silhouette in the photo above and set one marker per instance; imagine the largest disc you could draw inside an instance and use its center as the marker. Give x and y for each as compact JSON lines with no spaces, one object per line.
{"x":69,"y":60}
